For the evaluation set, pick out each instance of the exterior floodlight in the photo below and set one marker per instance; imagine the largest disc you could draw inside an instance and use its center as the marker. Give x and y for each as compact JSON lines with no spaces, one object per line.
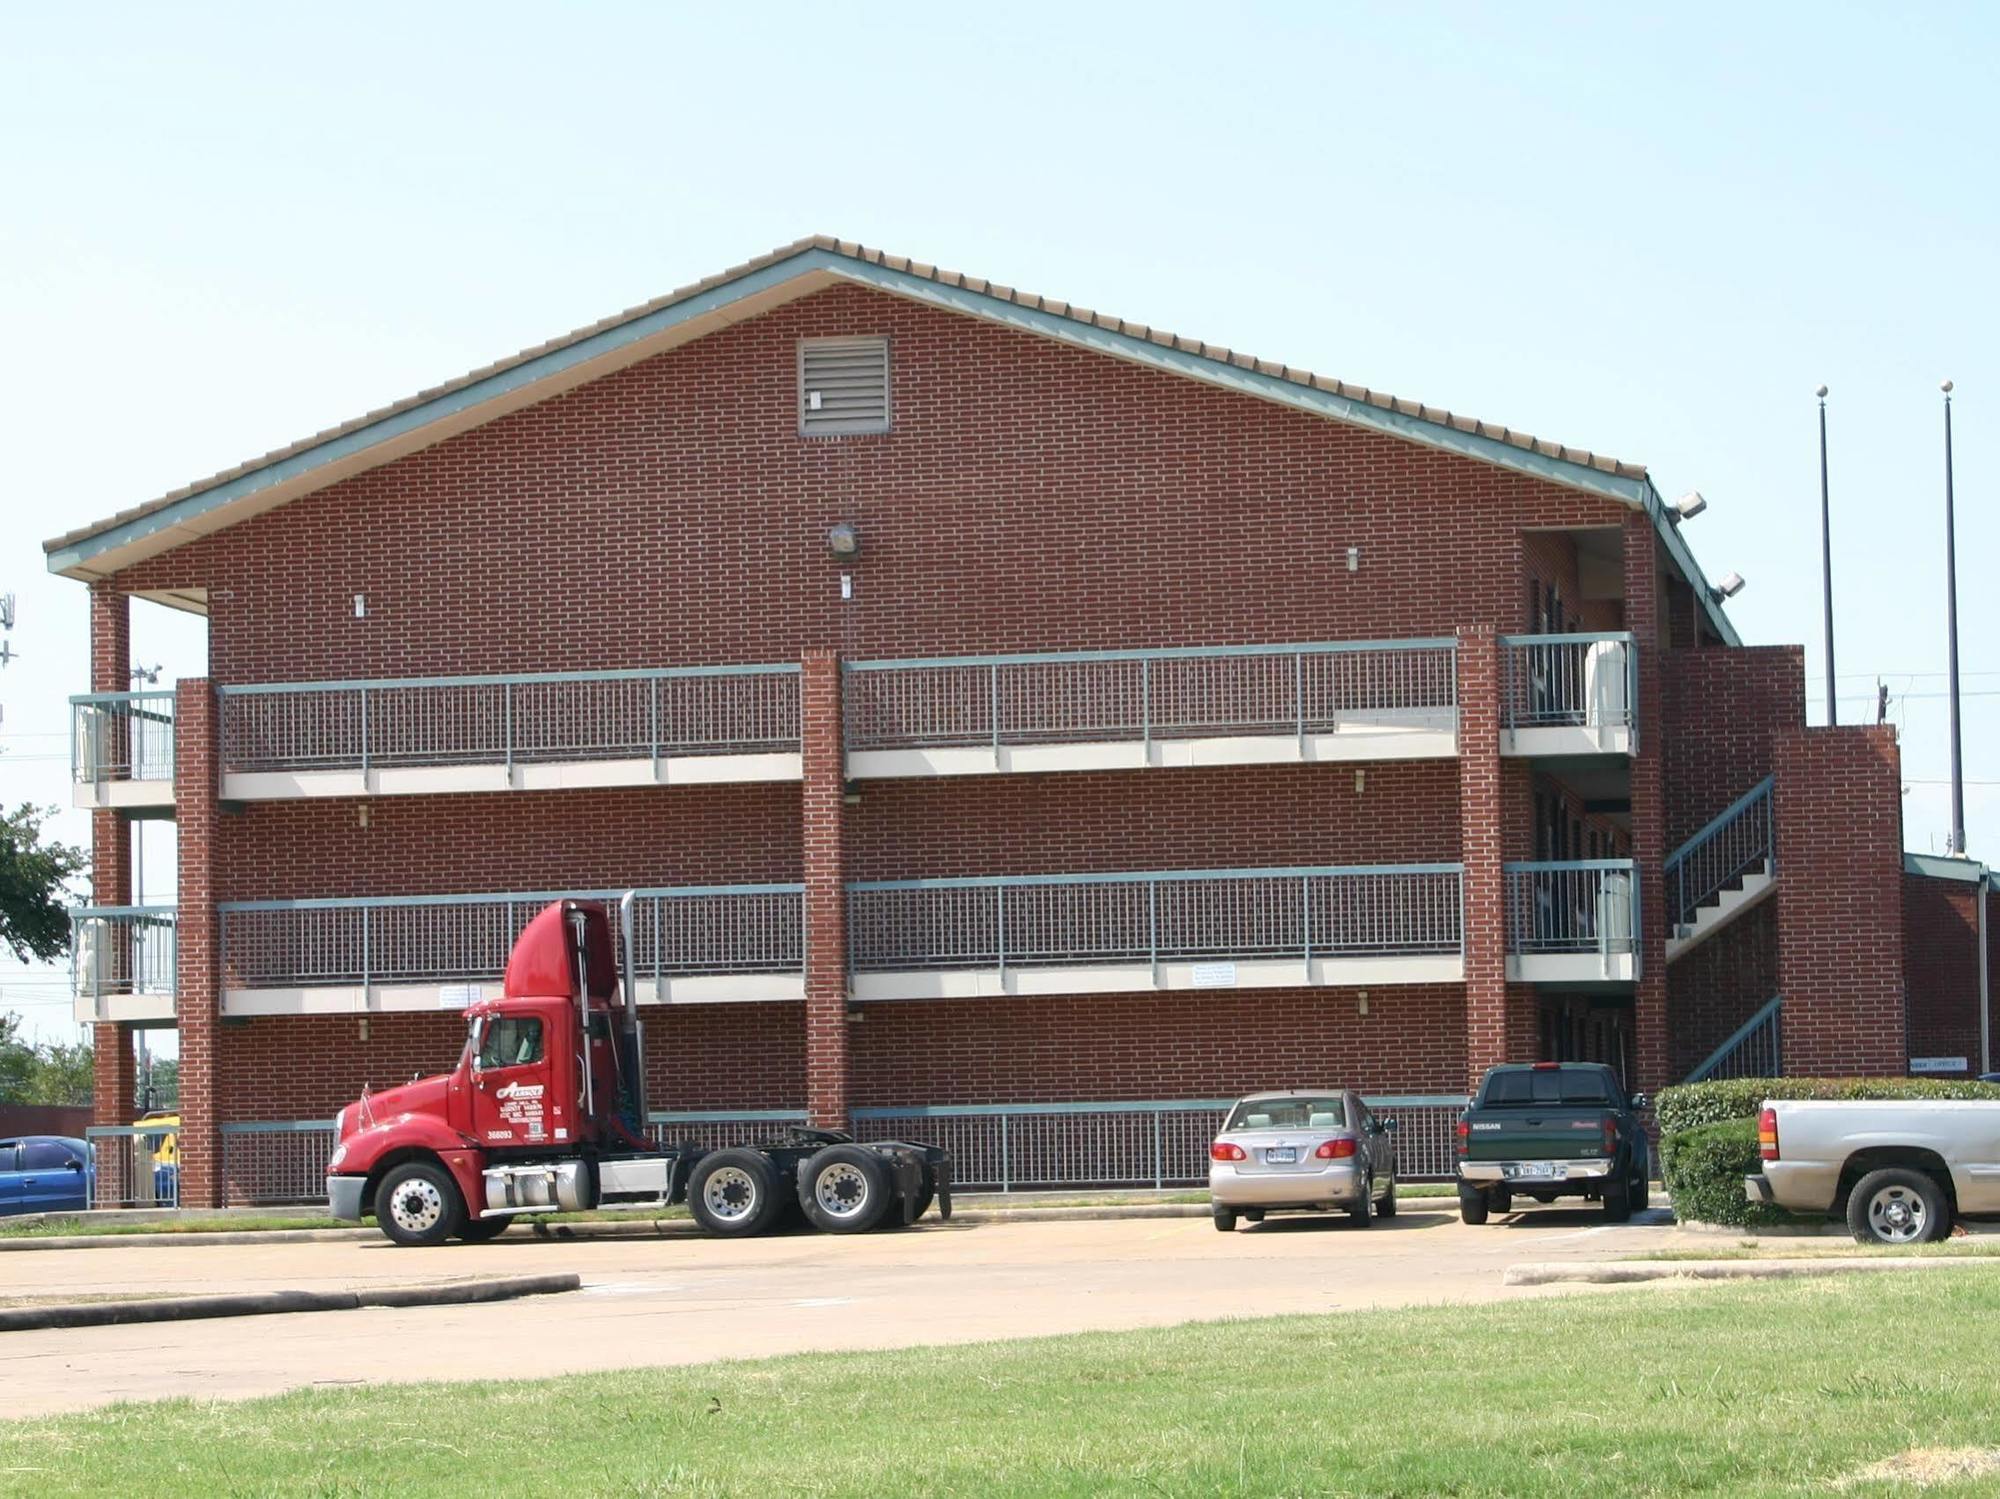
{"x":1728,"y":588}
{"x":1689,"y":505}
{"x":844,"y":541}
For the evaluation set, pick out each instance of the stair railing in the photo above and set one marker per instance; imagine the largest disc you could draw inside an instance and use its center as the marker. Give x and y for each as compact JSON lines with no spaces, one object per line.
{"x":1754,"y":1050}
{"x":1736,"y":841}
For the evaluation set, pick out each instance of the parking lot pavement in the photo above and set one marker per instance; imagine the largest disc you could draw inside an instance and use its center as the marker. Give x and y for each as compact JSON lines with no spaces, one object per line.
{"x":680,"y":1301}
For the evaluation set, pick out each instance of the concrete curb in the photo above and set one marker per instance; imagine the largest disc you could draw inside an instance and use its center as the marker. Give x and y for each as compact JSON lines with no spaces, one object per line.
{"x":265,"y":1303}
{"x":1636,"y":1272}
{"x":172,"y":1240}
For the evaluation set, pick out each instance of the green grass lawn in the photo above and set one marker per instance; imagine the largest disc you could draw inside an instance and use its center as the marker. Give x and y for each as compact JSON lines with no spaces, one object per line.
{"x":1762,"y":1389}
{"x":1976,"y":1246}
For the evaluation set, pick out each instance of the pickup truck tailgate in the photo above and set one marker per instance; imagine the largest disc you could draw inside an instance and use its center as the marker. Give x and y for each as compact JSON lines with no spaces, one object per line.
{"x":1536,"y":1132}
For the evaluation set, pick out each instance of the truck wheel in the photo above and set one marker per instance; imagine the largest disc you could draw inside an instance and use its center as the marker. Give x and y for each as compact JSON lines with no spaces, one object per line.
{"x":483,"y":1230}
{"x":1897,"y":1206}
{"x":1500,"y":1200}
{"x":1363,"y":1212}
{"x":1642,"y":1192}
{"x":417,"y":1204}
{"x":845,"y":1189}
{"x":1225,"y":1221}
{"x":734,"y":1193}
{"x":1617,"y":1201}
{"x":1386,"y":1208}
{"x":1472,"y":1205}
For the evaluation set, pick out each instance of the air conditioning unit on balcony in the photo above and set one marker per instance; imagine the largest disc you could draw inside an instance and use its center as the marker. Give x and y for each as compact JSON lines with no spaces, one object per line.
{"x":1605,"y":699}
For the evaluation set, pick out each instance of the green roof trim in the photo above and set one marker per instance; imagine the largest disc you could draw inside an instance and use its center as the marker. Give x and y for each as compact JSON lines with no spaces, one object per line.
{"x":1933,"y":867}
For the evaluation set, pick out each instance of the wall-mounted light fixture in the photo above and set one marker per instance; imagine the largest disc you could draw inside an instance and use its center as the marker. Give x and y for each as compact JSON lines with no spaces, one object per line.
{"x":1688,"y":506}
{"x":1728,"y":588}
{"x":844,"y":541}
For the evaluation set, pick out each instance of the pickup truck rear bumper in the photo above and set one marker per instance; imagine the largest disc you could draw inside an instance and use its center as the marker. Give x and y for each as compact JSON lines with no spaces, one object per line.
{"x":1758,"y":1189}
{"x":1497,"y":1171}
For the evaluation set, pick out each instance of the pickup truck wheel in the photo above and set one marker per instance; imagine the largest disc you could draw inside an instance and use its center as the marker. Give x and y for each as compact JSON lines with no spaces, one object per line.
{"x":1386,"y":1208}
{"x":1897,"y":1206}
{"x":483,"y":1230}
{"x":417,"y":1204}
{"x":845,"y":1189}
{"x":1617,"y":1201}
{"x":1472,"y":1205}
{"x":734,"y":1193}
{"x":1225,"y":1221}
{"x":1253,"y":1215}
{"x":1642,"y":1192}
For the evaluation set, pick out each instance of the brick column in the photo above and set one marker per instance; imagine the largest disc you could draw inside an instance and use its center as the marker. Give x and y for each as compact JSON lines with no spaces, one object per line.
{"x":822,"y":800}
{"x":1649,"y":805}
{"x":197,"y":968}
{"x":116,"y":1068}
{"x":1839,"y":805}
{"x":1499,"y":1020}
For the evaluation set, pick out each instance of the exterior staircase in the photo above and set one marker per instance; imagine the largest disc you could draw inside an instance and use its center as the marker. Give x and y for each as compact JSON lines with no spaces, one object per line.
{"x":1727,"y":869}
{"x":1754,"y":1050}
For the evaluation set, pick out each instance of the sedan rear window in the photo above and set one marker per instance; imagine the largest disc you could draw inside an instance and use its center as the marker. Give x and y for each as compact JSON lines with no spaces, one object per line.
{"x":1579,"y":1086}
{"x":1288,"y":1113}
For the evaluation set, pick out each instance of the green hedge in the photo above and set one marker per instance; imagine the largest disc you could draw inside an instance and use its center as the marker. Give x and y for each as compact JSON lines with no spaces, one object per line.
{"x":1704,"y":1170}
{"x":1692,"y":1105}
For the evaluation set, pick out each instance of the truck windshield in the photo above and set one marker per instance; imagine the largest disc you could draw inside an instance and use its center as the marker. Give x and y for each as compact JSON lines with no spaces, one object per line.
{"x":1546,"y":1086}
{"x":1287,"y":1113}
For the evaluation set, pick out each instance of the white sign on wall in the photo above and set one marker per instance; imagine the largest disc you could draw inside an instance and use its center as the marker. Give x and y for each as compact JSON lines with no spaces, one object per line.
{"x":1939,"y":1064}
{"x":1215,"y":975}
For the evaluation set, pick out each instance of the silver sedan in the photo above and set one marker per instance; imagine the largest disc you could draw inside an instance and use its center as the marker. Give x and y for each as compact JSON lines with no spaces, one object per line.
{"x":1308,"y":1150}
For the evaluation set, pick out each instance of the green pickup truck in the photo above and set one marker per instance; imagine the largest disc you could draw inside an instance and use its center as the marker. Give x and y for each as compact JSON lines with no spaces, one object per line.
{"x":1547,"y":1130}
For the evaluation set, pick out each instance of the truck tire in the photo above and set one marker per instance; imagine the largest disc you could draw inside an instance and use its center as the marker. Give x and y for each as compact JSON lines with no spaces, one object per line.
{"x":1363,"y":1212}
{"x":845,"y":1189}
{"x":734,"y":1194}
{"x":1472,"y":1205}
{"x":1618,"y":1201}
{"x":1897,"y":1206}
{"x":1642,"y":1191}
{"x":483,"y":1230}
{"x":417,"y":1204}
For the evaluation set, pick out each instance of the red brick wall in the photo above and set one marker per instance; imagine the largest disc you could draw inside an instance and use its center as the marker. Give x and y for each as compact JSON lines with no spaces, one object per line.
{"x":697,"y":1057}
{"x":1840,"y":901}
{"x":1213,"y":1044}
{"x":824,"y":800}
{"x":1722,"y":709}
{"x":1225,"y":817}
{"x":531,"y":840}
{"x":1650,"y":1051}
{"x":1032,"y":496}
{"x":1941,"y":967}
{"x":1714,"y":988}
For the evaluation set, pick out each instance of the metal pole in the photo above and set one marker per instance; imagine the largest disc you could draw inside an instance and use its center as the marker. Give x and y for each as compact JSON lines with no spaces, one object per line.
{"x":1826,"y":561}
{"x":1957,"y":844}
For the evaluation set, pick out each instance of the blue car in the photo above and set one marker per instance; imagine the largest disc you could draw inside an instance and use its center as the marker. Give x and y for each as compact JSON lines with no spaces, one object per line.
{"x":44,"y":1174}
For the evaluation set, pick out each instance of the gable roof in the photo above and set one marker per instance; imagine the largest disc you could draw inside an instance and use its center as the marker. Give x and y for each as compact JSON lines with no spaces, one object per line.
{"x":754,"y":287}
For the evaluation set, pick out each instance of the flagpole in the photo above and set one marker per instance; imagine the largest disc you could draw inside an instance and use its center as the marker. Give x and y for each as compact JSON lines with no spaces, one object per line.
{"x":1826,"y":561}
{"x":1957,"y":844}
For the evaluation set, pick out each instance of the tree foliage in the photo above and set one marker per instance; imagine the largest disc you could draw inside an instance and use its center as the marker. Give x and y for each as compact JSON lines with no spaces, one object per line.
{"x":34,"y":885}
{"x":52,"y":1072}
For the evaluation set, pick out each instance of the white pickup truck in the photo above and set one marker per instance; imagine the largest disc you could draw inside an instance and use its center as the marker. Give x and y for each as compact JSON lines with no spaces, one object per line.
{"x":1901,"y":1172}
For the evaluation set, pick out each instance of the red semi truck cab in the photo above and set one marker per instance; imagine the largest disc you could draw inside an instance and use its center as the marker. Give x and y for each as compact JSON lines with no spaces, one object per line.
{"x":546,"y":1112}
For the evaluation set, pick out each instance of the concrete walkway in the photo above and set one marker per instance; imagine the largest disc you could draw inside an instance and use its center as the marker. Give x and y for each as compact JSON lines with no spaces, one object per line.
{"x":679,"y":1301}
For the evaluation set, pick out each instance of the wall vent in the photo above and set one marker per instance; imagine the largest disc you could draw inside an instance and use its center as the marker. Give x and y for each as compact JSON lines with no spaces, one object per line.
{"x":843,"y":386}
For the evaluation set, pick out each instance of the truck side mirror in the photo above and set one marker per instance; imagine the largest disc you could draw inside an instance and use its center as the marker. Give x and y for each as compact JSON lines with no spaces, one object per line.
{"x":1641,"y":1101}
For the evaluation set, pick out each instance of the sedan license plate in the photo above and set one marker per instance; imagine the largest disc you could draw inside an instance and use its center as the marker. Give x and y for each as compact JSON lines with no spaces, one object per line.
{"x":1281,"y":1155}
{"x":1537,"y":1171}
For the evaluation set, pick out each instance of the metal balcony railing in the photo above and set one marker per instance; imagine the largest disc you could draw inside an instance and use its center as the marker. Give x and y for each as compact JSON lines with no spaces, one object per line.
{"x":121,"y":736}
{"x":678,"y":932}
{"x":1737,"y":841}
{"x":1573,"y":906}
{"x":1569,"y":681}
{"x":1007,"y":1147}
{"x":508,"y":720}
{"x":121,"y":950}
{"x":1142,"y":696}
{"x":1170,"y":915}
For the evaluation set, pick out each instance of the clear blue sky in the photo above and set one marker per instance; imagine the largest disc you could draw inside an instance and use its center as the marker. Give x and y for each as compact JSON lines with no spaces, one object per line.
{"x":1651,"y":235}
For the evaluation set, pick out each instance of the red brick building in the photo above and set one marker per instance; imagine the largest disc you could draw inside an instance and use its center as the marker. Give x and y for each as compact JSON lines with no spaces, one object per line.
{"x":1011,"y":713}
